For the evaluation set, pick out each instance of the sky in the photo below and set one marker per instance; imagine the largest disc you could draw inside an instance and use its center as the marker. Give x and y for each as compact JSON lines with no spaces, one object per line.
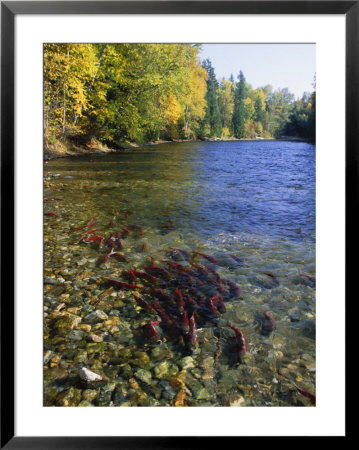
{"x":282,"y":66}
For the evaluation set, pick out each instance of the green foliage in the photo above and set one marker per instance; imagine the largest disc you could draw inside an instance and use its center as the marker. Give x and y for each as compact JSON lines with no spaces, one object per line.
{"x":211,"y":124}
{"x":226,"y":104}
{"x":242,"y":108}
{"x":114,"y":93}
{"x":117,"y":92}
{"x":301,"y":122}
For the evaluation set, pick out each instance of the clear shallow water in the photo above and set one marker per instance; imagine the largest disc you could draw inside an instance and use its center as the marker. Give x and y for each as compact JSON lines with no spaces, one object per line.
{"x":253,"y":199}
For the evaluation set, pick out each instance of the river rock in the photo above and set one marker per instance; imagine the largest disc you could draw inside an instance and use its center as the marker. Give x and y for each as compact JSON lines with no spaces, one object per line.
{"x":201,"y":393}
{"x":141,"y":359}
{"x":88,"y":376}
{"x":167,"y":390}
{"x":308,"y":329}
{"x":54,"y":281}
{"x":161,"y":353}
{"x":126,"y":371}
{"x":165,"y":370}
{"x":68,"y":322}
{"x":96,"y":316}
{"x":187,"y":362}
{"x":206,"y":362}
{"x":55,"y":361}
{"x":85,"y":403}
{"x":57,"y":373}
{"x":105,"y":394}
{"x":81,"y":357}
{"x":95,"y":337}
{"x":239,"y":401}
{"x":123,"y":336}
{"x":47,"y":356}
{"x":84,"y":327}
{"x":69,"y":397}
{"x":76,"y":335}
{"x":162,"y":370}
{"x":144,"y":375}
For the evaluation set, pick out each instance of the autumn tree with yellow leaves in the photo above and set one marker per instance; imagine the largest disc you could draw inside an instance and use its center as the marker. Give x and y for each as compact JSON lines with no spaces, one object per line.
{"x":116,"y":93}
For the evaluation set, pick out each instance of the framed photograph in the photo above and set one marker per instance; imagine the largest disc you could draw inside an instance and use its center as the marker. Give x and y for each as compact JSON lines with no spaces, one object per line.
{"x":176,"y":178}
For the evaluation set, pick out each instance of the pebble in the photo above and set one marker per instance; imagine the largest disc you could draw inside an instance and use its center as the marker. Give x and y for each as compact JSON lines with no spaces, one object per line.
{"x":203,"y":394}
{"x":49,"y":280}
{"x":84,"y":327}
{"x":55,"y":361}
{"x":68,"y":322}
{"x":123,"y":336}
{"x":85,"y":403}
{"x":69,"y":397}
{"x":81,"y":357}
{"x":162,"y":352}
{"x":57,"y":373}
{"x":141,"y":359}
{"x":96,"y":316}
{"x":88,"y":376}
{"x":144,"y":375}
{"x":76,"y":335}
{"x":95,"y":337}
{"x":81,"y":262}
{"x":162,"y":369}
{"x":187,"y":362}
{"x":239,"y":401}
{"x":47,"y":356}
{"x":207,"y":362}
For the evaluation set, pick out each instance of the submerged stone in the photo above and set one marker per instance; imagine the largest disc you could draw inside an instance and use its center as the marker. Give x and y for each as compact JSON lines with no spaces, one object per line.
{"x":96,"y":316}
{"x":69,"y":397}
{"x":88,"y":376}
{"x":187,"y":362}
{"x":141,"y":359}
{"x":105,"y":394}
{"x":85,"y":403}
{"x":89,"y":395}
{"x":123,"y":336}
{"x":68,"y":322}
{"x":161,"y":353}
{"x":165,"y":370}
{"x":144,"y":375}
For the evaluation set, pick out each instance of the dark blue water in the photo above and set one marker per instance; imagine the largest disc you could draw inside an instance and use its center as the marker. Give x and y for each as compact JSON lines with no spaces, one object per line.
{"x":264,"y":188}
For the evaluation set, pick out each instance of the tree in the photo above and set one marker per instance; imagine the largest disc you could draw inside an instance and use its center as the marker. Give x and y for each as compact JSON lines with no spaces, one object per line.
{"x":241,"y":112}
{"x":226,"y":104}
{"x":279,"y":105}
{"x":68,"y":72}
{"x":211,"y":125}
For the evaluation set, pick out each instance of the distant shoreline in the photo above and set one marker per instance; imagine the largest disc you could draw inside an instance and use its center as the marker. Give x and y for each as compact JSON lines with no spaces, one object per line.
{"x":66,"y":151}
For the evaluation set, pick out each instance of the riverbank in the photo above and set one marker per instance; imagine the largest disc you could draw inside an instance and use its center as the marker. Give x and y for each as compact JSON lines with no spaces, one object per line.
{"x":66,"y":149}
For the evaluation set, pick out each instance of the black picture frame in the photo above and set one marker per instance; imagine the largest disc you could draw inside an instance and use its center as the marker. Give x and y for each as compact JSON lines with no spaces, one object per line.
{"x":9,"y":10}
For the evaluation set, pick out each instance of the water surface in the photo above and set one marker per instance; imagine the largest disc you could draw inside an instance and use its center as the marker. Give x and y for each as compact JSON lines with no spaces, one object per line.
{"x":251,"y":199}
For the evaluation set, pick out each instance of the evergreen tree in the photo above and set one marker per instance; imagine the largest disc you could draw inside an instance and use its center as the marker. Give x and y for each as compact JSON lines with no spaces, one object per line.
{"x":212,"y":124}
{"x":240,"y":110}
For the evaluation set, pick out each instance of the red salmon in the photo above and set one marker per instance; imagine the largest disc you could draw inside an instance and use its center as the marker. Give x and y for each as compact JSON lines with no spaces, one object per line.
{"x":241,"y":341}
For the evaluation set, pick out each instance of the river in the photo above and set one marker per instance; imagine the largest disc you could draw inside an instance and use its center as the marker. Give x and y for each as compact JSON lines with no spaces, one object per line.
{"x":250,"y":205}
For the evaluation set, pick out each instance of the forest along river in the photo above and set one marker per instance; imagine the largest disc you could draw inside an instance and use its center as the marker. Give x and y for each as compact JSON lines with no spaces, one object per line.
{"x":230,"y":325}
